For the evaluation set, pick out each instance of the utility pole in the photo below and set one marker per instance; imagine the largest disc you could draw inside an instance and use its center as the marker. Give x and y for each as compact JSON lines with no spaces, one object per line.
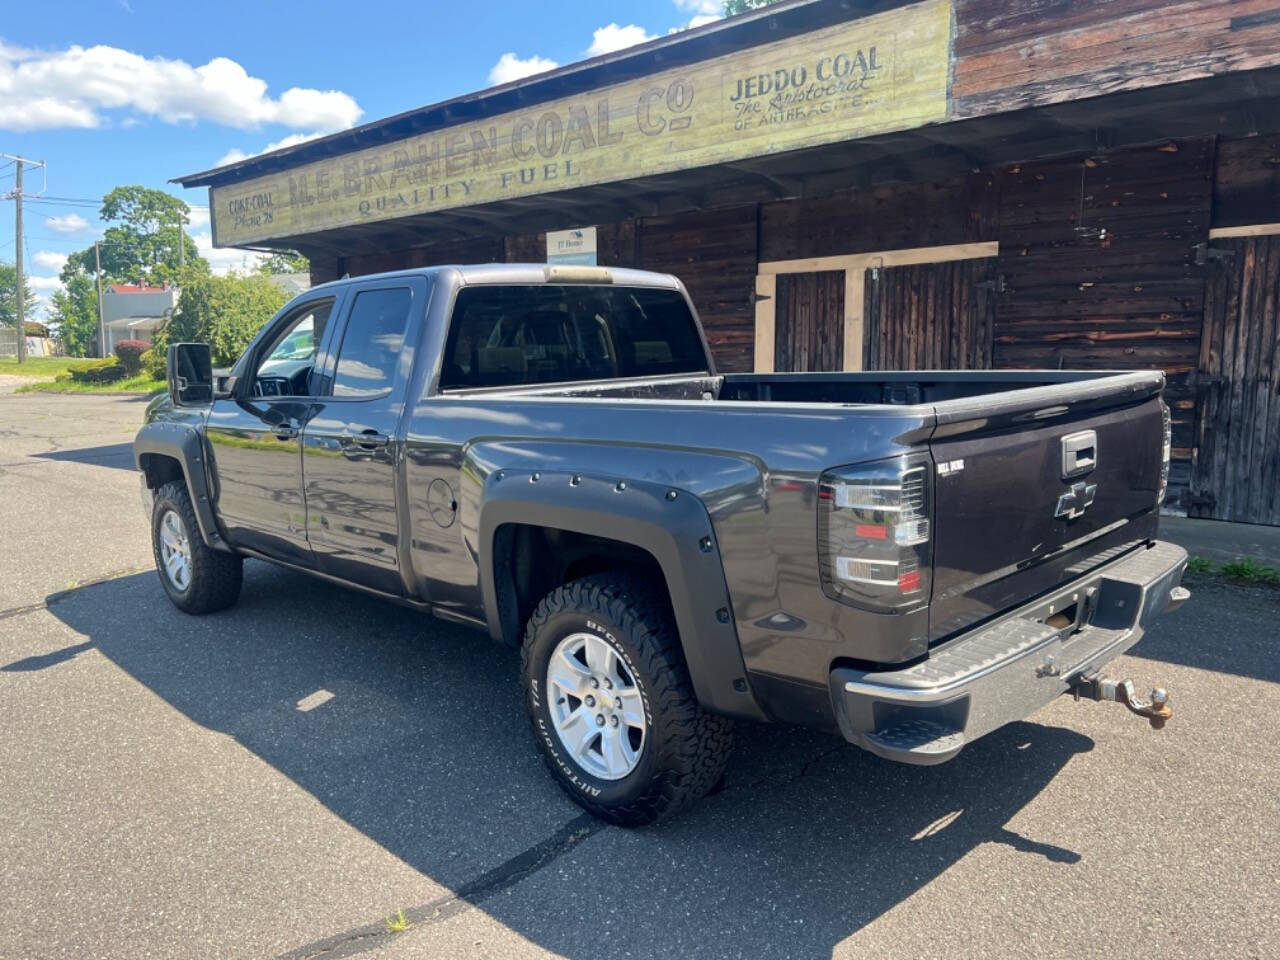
{"x":20,"y":164}
{"x":17,"y":262}
{"x":97,"y":273}
{"x":182,"y":247}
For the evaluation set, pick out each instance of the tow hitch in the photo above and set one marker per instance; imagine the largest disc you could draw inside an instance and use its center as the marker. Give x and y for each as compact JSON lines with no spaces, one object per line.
{"x":1156,"y":710}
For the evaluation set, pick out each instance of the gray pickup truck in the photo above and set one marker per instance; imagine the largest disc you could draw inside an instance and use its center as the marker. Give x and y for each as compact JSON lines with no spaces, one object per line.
{"x":548,"y":454}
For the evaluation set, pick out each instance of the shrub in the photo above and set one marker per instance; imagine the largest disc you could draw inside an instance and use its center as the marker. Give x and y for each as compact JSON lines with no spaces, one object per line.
{"x":129,"y":353}
{"x":105,"y":371}
{"x":155,"y":363}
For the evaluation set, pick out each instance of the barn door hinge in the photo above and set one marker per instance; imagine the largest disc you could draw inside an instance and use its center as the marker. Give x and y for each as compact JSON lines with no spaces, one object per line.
{"x":759,"y":297}
{"x":1206,"y":500}
{"x":1205,"y":253}
{"x":996,"y":285}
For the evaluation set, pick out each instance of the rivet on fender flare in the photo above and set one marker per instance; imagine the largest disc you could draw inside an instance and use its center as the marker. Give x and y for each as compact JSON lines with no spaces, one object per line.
{"x":705,"y":544}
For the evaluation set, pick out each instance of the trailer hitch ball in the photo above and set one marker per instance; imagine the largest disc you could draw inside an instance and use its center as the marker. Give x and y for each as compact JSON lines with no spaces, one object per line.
{"x":1156,"y":709}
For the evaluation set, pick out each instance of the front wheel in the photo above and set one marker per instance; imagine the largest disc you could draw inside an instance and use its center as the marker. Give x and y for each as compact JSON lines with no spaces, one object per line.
{"x":197,"y":578}
{"x":612,"y":705}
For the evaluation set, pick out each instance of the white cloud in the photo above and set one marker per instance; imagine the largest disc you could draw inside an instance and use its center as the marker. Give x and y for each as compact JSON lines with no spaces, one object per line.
{"x":47,"y":284}
{"x":198,"y":218}
{"x":43,"y":309}
{"x":613,"y":37}
{"x":42,"y":90}
{"x":225,"y":259}
{"x":71,"y":223}
{"x":235,"y":155}
{"x":510,"y":67}
{"x":706,"y":8}
{"x":50,"y":260}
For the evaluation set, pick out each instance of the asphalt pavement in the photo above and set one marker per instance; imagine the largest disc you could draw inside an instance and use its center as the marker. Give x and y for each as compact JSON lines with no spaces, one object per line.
{"x":276,"y":779}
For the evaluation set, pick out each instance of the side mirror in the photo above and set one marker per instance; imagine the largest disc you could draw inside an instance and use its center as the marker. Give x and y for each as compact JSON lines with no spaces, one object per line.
{"x":190,"y":369}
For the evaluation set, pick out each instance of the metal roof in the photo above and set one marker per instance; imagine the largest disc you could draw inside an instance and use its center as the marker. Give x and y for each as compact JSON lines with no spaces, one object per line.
{"x":778,"y":21}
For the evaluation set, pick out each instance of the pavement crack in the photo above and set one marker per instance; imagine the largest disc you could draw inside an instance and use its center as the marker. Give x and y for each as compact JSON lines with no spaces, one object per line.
{"x":506,"y":874}
{"x":59,"y":595}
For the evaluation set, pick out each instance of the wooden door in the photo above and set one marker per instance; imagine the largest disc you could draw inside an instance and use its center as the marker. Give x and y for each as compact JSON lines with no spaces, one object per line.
{"x":1235,"y":470}
{"x":929,"y":316}
{"x":808,"y":332}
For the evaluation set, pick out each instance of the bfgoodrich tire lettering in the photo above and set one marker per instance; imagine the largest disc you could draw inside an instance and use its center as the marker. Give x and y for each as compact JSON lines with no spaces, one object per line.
{"x":684,"y":750}
{"x":214,"y":577}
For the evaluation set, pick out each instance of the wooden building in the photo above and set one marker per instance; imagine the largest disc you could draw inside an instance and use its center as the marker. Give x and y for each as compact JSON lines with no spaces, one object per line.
{"x":853,"y":184}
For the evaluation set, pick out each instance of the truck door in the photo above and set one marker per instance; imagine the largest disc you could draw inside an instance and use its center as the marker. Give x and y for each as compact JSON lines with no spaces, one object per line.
{"x":255,"y":437}
{"x":350,"y":445}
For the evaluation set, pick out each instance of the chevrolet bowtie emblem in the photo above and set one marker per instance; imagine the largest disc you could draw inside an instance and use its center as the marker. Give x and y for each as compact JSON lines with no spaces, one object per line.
{"x":1076,"y":501}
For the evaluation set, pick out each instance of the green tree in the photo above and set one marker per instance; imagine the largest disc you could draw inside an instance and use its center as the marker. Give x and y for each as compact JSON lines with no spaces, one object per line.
{"x":9,"y":297}
{"x":731,"y":7}
{"x":284,"y":261}
{"x":141,"y":245}
{"x":224,"y":312}
{"x":75,"y":311}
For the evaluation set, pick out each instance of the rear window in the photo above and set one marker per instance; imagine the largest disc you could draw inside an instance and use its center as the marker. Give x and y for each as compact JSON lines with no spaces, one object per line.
{"x":540,"y":333}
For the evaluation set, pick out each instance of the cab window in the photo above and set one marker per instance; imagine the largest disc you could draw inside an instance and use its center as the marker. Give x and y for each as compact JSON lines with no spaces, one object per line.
{"x":288,"y":363}
{"x":371,"y":344}
{"x":543,"y":333}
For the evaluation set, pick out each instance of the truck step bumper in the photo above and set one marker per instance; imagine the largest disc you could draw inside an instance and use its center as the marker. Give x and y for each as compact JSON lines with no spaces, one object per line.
{"x":1006,"y":670}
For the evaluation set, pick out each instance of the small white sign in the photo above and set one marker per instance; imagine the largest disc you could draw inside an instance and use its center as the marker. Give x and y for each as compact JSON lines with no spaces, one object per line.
{"x":572,"y":246}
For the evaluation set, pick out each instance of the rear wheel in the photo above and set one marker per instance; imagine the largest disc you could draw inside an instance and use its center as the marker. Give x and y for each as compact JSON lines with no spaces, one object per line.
{"x":197,"y":578}
{"x":612,"y":705}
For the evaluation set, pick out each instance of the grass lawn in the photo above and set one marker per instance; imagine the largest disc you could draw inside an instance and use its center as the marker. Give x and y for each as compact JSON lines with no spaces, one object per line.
{"x":142,"y":383}
{"x":42,"y":366}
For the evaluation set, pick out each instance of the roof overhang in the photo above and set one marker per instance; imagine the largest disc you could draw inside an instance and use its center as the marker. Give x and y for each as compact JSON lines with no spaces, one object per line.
{"x":1230,"y":105}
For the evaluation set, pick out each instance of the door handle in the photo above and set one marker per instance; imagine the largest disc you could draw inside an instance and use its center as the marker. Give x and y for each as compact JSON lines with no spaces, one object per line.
{"x":368,"y":439}
{"x":285,"y":431}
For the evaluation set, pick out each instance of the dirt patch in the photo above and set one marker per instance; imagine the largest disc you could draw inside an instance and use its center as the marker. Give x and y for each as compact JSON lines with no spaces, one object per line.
{"x":10,"y":383}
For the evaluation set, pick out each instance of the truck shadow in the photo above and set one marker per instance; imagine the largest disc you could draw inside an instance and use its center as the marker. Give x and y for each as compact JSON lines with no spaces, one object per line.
{"x":413,"y":732}
{"x":1220,"y":629}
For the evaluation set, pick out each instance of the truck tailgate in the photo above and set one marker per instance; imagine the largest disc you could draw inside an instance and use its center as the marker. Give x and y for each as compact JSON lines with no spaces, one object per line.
{"x":1035,"y":487}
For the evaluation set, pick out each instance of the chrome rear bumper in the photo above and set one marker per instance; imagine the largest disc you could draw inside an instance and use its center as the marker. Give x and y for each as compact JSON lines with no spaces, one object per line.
{"x":1008,"y":669}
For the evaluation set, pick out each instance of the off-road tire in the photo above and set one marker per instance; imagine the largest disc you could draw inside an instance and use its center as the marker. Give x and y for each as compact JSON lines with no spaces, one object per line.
{"x":215,"y":575}
{"x":685,"y":748}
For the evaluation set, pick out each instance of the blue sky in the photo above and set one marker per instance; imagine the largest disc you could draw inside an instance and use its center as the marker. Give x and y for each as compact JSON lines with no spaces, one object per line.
{"x":132,"y":91}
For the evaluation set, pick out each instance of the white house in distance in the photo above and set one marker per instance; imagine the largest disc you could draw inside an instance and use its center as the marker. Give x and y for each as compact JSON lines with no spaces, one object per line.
{"x":134,"y":312}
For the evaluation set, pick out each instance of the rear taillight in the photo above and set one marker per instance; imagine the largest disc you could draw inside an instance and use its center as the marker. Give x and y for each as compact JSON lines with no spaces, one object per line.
{"x":874,"y":533}
{"x":1167,"y":426}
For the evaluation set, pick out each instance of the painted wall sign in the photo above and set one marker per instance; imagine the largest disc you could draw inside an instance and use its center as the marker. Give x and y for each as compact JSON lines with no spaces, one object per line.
{"x":876,"y":74}
{"x":572,"y":246}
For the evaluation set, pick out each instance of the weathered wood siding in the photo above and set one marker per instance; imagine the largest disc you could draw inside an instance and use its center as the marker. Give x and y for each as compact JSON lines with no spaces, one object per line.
{"x":714,"y":253}
{"x":1014,"y":54}
{"x":1246,"y":188}
{"x":809,"y":321}
{"x":932,"y":316}
{"x":890,"y":217}
{"x":1133,"y":296}
{"x":1236,"y":475}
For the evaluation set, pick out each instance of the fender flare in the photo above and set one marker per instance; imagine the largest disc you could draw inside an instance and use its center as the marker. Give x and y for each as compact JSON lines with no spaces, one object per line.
{"x":675,"y":530}
{"x":182,"y":442}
